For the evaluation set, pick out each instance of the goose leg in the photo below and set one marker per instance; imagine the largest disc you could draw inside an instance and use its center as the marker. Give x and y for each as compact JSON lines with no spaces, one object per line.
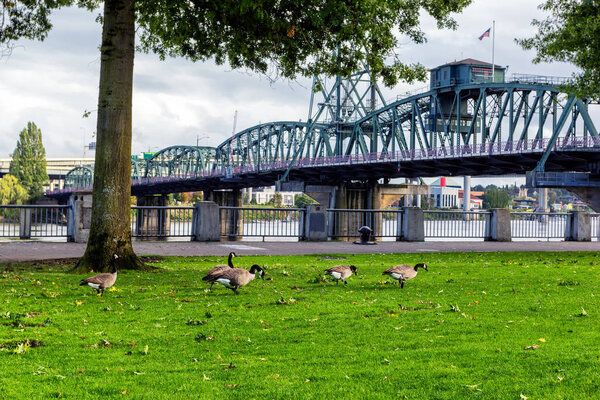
{"x":211,"y":285}
{"x":345,"y":282}
{"x":401,"y":284}
{"x":337,"y":282}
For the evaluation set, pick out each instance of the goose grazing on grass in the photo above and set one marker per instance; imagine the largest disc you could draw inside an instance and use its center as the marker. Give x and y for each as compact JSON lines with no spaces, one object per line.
{"x":341,"y":272}
{"x":217,"y":269}
{"x":235,"y":278}
{"x":403,"y":272}
{"x":102,"y":281}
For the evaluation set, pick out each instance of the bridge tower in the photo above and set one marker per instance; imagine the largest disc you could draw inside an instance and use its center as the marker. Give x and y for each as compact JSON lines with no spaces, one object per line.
{"x":338,"y":102}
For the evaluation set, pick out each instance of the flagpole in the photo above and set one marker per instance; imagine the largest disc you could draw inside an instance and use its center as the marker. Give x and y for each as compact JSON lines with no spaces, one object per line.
{"x":493,"y":42}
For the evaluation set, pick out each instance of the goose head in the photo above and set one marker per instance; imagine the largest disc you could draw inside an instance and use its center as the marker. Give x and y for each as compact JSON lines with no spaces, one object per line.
{"x":257,"y":269}
{"x":421,"y":265}
{"x":354,"y":270}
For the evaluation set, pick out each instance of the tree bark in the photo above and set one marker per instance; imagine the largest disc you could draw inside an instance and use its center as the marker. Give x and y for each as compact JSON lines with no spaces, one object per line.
{"x":110,"y":230}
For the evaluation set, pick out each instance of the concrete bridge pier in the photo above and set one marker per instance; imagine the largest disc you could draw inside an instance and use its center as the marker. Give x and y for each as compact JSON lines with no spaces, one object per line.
{"x":152,"y":224}
{"x":232,"y":223}
{"x":586,"y":186}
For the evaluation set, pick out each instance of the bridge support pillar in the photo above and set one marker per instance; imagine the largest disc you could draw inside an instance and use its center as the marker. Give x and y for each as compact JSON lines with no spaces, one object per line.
{"x":542,"y":200}
{"x":206,"y":222}
{"x":152,"y":223}
{"x":500,"y":225}
{"x":78,"y":228}
{"x":232,"y":223}
{"x":580,"y":227}
{"x":467,"y":193}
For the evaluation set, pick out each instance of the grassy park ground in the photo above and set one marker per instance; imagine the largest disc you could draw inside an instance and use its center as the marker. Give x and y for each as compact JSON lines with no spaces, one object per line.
{"x":477,"y":325}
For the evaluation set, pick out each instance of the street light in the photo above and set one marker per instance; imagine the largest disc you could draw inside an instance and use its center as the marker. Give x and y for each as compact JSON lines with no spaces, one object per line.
{"x":198,"y":139}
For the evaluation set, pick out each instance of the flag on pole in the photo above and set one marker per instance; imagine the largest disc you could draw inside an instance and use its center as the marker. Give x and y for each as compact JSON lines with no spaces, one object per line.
{"x":485,"y":34}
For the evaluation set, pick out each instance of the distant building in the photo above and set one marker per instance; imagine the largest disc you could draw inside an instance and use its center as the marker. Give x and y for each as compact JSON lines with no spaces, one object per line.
{"x":263,"y":195}
{"x":476,"y":200}
{"x":443,"y":193}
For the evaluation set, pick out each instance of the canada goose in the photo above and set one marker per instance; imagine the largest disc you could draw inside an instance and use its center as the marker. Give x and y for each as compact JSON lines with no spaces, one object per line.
{"x":404,"y":272}
{"x":102,"y":281}
{"x":235,"y":278}
{"x":218,"y":268}
{"x":341,"y":272}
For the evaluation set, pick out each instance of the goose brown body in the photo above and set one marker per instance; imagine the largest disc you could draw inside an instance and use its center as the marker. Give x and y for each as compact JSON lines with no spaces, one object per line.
{"x":102,"y":281}
{"x":217,"y":269}
{"x":403,"y":272}
{"x":235,"y":278}
{"x":341,"y":272}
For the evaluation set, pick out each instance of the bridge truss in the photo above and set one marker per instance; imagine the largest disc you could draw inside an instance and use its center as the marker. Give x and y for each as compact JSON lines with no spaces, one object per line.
{"x":472,"y":129}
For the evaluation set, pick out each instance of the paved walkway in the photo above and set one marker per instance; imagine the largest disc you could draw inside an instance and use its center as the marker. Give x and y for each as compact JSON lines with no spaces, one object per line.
{"x":29,"y":251}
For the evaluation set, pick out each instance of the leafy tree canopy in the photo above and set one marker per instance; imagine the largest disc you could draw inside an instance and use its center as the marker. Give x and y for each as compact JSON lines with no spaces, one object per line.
{"x":284,"y":37}
{"x":11,"y":191}
{"x":28,"y":163}
{"x":495,"y":198}
{"x":571,"y":33}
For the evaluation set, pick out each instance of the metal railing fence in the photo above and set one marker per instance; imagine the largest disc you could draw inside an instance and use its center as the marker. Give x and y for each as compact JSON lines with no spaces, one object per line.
{"x":27,"y":221}
{"x":345,"y":223}
{"x":262,"y":222}
{"x":154,"y":221}
{"x":540,"y":225}
{"x":457,"y":224}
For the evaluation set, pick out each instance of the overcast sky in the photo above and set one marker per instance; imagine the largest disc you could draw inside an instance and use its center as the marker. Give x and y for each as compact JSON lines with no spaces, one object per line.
{"x":53,"y":82}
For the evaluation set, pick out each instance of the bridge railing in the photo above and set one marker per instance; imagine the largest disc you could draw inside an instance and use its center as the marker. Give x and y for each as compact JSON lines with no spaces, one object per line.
{"x":262,"y":222}
{"x":457,"y":224}
{"x":345,"y":223}
{"x":35,"y":221}
{"x":540,"y":225}
{"x":161,"y":222}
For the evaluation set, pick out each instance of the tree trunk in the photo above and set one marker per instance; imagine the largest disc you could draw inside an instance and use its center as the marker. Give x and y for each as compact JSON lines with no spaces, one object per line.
{"x":110,"y":230}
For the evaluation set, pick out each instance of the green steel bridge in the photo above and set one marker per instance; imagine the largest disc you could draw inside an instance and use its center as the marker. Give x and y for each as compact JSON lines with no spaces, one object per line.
{"x":482,"y":125}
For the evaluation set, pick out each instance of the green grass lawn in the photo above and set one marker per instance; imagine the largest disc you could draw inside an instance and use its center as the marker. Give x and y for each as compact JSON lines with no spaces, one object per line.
{"x":477,"y":325}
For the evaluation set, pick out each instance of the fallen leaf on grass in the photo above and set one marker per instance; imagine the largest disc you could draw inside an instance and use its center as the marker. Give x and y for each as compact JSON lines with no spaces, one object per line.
{"x":542,"y":340}
{"x":233,"y":385}
{"x":524,"y":397}
{"x":535,"y":346}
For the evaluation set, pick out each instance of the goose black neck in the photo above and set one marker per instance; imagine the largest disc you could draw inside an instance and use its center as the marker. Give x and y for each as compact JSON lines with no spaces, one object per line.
{"x":254,"y":268}
{"x":114,"y":266}
{"x":229,"y":260}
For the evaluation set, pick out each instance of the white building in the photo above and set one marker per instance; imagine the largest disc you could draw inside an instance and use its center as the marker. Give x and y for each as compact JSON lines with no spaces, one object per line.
{"x":263,"y":195}
{"x":443,"y":193}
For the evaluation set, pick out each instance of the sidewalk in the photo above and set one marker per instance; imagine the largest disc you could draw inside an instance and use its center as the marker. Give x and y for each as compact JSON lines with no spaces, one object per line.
{"x":29,"y":251}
